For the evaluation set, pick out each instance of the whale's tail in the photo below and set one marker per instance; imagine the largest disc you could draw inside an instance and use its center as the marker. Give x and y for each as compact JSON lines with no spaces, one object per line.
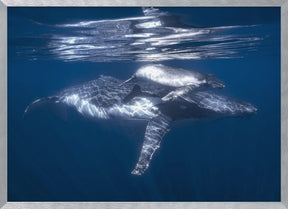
{"x":39,"y":102}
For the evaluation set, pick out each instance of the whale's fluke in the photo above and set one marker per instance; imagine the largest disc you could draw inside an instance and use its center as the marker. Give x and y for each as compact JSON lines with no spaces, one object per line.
{"x":156,"y":129}
{"x":37,"y":103}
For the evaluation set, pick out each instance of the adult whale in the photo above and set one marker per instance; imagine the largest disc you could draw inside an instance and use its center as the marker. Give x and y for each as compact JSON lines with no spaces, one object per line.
{"x":103,"y":98}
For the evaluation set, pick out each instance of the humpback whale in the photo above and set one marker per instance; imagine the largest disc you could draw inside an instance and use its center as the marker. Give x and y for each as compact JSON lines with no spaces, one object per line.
{"x":103,"y":98}
{"x":181,"y":80}
{"x":175,"y":77}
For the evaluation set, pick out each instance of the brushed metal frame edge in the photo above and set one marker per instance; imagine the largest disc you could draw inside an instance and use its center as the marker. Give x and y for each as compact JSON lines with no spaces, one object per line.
{"x":3,"y":104}
{"x":119,"y":205}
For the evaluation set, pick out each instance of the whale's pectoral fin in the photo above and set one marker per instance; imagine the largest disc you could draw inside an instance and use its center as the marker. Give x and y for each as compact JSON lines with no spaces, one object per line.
{"x":178,"y":93}
{"x":133,"y":77}
{"x":156,"y":129}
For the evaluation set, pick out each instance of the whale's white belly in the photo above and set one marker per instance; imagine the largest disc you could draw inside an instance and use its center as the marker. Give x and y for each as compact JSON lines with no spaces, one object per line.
{"x":138,"y":108}
{"x":84,"y":107}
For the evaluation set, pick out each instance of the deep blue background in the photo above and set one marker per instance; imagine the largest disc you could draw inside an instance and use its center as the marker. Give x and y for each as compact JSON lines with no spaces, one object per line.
{"x":69,"y":158}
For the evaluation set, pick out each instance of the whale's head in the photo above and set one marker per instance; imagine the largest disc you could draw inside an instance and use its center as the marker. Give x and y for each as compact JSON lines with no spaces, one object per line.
{"x":214,"y":82}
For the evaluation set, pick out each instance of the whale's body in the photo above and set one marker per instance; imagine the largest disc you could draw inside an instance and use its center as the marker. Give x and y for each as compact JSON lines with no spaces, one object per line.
{"x":176,"y":77}
{"x":183,"y":81}
{"x":103,"y":98}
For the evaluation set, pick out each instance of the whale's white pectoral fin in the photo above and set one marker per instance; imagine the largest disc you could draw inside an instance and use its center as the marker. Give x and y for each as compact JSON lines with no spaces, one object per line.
{"x":156,"y":129}
{"x":127,"y":81}
{"x":178,"y":93}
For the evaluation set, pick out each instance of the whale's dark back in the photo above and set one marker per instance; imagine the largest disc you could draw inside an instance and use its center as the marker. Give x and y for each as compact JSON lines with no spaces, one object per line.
{"x":206,"y":104}
{"x":106,"y":91}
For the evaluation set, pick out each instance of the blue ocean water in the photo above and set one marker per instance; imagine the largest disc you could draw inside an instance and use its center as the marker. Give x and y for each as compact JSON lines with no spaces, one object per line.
{"x":65,"y":157}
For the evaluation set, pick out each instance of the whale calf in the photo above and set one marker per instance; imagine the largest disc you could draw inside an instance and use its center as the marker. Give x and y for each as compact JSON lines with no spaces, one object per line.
{"x":176,"y":77}
{"x":103,"y":99}
{"x":181,"y":80}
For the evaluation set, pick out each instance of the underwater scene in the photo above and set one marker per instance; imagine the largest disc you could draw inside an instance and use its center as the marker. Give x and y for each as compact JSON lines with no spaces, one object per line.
{"x":144,"y":104}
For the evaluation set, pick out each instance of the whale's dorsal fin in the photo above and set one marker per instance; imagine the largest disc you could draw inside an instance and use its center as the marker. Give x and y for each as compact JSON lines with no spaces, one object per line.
{"x":136,"y":91}
{"x":156,"y":129}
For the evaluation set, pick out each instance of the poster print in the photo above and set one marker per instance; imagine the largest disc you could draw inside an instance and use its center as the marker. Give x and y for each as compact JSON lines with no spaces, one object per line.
{"x":144,"y":104}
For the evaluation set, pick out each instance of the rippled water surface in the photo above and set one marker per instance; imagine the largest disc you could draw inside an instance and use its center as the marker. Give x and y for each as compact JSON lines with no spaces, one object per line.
{"x":54,"y":154}
{"x":152,"y":36}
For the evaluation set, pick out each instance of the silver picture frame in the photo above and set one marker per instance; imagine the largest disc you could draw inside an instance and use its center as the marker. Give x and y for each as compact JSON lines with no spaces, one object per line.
{"x":5,"y":204}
